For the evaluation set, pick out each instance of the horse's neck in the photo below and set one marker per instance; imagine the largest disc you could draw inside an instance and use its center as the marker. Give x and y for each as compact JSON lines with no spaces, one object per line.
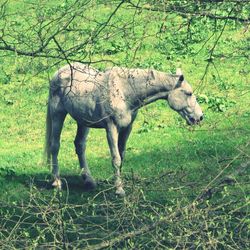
{"x":150,"y":87}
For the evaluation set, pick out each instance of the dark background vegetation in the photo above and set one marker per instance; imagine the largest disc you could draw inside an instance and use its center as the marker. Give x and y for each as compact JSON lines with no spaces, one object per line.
{"x":187,"y":187}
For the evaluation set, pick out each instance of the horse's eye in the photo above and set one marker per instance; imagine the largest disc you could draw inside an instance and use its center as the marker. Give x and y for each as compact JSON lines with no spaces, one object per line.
{"x":189,"y":93}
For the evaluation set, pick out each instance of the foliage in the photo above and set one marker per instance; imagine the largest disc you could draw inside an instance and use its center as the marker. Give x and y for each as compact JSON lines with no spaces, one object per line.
{"x":187,"y":187}
{"x":7,"y":171}
{"x":4,"y":77}
{"x":216,"y":103}
{"x":210,"y":220}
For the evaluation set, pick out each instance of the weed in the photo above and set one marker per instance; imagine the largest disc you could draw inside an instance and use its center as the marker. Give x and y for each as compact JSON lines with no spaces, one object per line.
{"x":188,"y":187}
{"x":216,"y":103}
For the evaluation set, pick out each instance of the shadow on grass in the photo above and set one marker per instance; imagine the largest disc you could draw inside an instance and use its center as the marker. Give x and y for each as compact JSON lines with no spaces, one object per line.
{"x":194,"y":161}
{"x":44,"y":182}
{"x":160,"y":183}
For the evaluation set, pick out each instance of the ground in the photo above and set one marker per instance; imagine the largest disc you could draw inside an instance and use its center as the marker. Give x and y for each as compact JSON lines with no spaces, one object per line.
{"x":169,"y":166}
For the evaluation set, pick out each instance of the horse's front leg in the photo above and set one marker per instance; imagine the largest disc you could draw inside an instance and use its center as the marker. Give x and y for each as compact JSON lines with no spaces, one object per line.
{"x":112,"y":136}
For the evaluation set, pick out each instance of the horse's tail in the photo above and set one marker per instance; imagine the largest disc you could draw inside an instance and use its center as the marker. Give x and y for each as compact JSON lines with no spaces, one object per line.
{"x":47,"y":151}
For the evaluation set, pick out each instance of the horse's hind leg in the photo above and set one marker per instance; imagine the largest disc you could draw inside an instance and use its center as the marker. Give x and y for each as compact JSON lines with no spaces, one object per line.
{"x":57,"y":124}
{"x":80,"y":147}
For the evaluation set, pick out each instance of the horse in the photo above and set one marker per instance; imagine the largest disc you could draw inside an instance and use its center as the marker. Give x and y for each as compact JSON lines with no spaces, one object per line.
{"x":109,"y":100}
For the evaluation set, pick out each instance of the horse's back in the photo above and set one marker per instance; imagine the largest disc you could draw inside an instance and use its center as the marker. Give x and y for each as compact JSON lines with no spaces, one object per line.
{"x":77,"y":78}
{"x":93,"y":97}
{"x":79,"y":87}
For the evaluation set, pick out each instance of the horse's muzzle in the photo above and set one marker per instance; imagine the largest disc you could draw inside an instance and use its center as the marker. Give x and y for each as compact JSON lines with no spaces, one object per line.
{"x":192,"y":121}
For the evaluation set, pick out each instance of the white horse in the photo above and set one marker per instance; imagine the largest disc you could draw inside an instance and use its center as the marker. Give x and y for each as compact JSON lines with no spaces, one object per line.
{"x":109,"y":100}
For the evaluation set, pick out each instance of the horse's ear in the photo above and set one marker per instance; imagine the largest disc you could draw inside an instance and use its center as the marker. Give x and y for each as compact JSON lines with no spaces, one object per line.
{"x":179,"y":82}
{"x":181,"y":78}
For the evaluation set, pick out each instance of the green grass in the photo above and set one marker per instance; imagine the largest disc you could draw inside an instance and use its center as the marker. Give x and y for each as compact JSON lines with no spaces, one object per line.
{"x":167,"y":162}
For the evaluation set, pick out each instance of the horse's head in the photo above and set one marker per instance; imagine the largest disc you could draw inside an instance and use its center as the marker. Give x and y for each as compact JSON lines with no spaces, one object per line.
{"x":182,"y":100}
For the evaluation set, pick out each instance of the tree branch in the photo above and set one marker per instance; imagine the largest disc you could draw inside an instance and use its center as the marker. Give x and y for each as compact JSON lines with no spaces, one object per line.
{"x":187,"y":14}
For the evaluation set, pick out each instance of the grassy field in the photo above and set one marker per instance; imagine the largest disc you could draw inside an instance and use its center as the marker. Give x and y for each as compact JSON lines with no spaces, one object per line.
{"x":168,"y":165}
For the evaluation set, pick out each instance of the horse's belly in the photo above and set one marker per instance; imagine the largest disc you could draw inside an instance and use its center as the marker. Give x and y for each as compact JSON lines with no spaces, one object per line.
{"x":85,"y":111}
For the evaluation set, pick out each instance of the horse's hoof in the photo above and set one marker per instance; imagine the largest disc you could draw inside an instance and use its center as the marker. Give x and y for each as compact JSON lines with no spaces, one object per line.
{"x":57,"y":184}
{"x":88,"y":182}
{"x":120,"y":192}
